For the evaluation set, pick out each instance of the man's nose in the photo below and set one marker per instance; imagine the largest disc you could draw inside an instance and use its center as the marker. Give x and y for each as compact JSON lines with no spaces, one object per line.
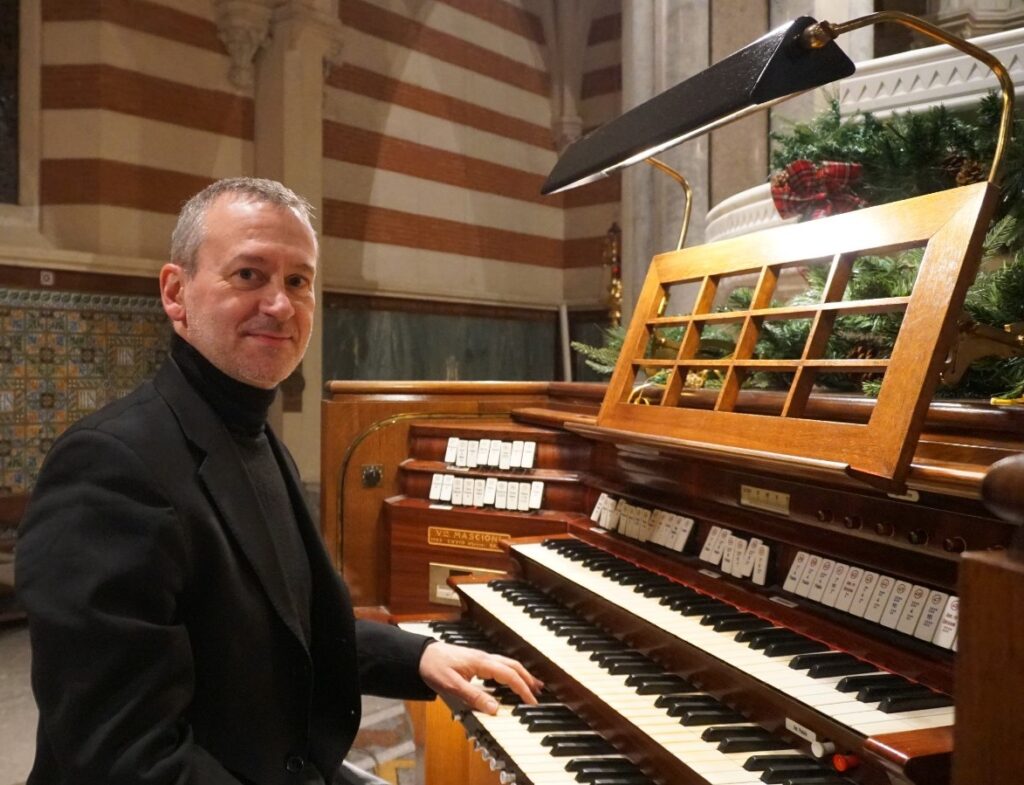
{"x":277,"y":303}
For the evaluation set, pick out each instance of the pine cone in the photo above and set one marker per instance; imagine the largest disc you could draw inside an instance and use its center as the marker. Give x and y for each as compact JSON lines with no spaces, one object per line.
{"x":970,"y":172}
{"x":953,"y":163}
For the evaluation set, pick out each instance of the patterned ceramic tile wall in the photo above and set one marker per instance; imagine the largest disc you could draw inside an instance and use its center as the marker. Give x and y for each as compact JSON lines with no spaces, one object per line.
{"x":62,"y":356}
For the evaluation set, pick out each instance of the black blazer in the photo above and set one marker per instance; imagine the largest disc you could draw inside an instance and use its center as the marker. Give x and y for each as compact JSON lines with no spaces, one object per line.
{"x":164,"y":646}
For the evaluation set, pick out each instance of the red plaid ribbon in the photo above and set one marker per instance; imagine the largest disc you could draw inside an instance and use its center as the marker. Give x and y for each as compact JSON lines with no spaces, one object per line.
{"x":809,"y":191}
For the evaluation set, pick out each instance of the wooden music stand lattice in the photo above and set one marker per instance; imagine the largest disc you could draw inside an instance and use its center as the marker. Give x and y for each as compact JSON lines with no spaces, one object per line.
{"x":949,"y":225}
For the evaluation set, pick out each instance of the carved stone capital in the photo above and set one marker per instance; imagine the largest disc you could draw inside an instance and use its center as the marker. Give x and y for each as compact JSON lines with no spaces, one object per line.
{"x":243,"y":26}
{"x":312,"y":21}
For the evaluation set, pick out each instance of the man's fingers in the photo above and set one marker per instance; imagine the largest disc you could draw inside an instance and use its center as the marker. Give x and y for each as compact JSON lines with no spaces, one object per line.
{"x":499,"y":669}
{"x":534,"y":683}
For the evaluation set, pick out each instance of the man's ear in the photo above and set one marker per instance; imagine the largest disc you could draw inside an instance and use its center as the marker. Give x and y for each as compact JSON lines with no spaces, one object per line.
{"x":172,"y":293}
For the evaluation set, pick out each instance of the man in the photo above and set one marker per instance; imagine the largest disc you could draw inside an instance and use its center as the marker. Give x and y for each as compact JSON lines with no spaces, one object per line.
{"x":186,"y":623}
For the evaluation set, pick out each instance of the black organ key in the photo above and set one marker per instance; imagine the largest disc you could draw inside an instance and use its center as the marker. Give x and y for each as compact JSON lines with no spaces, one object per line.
{"x":714,"y":614}
{"x":759,"y":639}
{"x":896,"y":703}
{"x":698,"y":717}
{"x":697,"y":607}
{"x":548,"y":724}
{"x":631,"y":668}
{"x":565,"y":745}
{"x":781,"y":648}
{"x":779,"y":773}
{"x":846,"y":665}
{"x":879,"y":691}
{"x":739,"y":623}
{"x":818,"y":779}
{"x":761,"y":762}
{"x":765,"y":743}
{"x":857,"y":683}
{"x":746,"y":636}
{"x":719,"y":732}
{"x":658,"y":684}
{"x":612,"y":763}
{"x":805,"y":661}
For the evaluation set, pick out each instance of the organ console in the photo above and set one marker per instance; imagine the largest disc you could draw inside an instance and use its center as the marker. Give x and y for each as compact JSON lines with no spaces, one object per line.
{"x":718,"y":586}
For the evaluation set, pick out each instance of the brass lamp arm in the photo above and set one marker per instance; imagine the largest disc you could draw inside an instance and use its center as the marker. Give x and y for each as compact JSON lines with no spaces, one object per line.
{"x":687,"y":195}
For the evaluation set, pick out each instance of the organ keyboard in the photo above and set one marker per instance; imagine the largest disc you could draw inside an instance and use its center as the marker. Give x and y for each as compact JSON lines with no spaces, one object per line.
{"x":802,"y":673}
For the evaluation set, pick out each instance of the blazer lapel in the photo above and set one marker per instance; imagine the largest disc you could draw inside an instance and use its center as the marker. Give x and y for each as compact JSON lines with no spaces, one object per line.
{"x":229,"y":488}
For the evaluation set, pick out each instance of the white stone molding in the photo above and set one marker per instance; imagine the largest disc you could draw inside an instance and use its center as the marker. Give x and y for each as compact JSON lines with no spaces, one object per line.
{"x":915,"y":80}
{"x":243,"y":26}
{"x":743,"y":213}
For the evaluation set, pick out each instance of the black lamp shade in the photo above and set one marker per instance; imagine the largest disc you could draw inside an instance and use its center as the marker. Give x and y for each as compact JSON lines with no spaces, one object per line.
{"x":772,"y":67}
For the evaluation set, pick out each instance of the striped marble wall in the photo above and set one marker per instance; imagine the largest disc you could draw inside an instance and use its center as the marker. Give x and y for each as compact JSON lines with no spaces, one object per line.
{"x":436,"y":141}
{"x":137,"y":114}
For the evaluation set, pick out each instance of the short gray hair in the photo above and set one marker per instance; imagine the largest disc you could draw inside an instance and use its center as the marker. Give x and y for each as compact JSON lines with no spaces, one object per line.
{"x":190,"y":230}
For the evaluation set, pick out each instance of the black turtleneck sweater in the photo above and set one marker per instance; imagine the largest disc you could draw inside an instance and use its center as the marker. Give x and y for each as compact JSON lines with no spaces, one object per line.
{"x":243,"y":409}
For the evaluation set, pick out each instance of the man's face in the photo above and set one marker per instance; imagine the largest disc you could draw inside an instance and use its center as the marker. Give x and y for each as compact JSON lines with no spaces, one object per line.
{"x":248,"y":307}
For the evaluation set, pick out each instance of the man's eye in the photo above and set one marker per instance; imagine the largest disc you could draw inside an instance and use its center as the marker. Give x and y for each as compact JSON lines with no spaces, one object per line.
{"x":246,"y":274}
{"x":298,"y":281}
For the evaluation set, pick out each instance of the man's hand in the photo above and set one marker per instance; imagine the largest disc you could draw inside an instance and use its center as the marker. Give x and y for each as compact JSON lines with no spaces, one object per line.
{"x":448,"y":669}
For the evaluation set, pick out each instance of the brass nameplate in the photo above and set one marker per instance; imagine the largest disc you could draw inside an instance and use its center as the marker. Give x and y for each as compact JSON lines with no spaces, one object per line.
{"x":465,"y":538}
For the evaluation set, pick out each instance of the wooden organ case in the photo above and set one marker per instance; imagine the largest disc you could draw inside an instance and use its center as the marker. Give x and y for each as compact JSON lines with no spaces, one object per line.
{"x":720,"y":584}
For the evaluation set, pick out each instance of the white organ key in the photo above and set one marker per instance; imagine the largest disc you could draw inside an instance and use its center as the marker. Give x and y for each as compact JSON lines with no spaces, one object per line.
{"x":513,"y":496}
{"x":683,"y":532}
{"x":894,"y":608}
{"x":457,"y":491}
{"x":945,"y":635}
{"x":435,"y":487}
{"x":490,"y":490}
{"x":750,"y":557}
{"x":707,"y":553}
{"x":850,"y":587}
{"x":835,"y":583}
{"x":760,"y":574}
{"x":739,"y":556}
{"x":524,"y":497}
{"x":728,"y":551}
{"x":821,"y":580}
{"x":529,"y":453}
{"x":471,"y":453}
{"x":447,"y":487}
{"x":796,"y":570}
{"x":505,"y":458}
{"x":864,"y":592}
{"x":479,"y":489}
{"x":810,"y":575}
{"x":912,"y":612}
{"x":494,"y":453}
{"x":516,"y":457}
{"x":536,"y":494}
{"x":461,"y":452}
{"x":451,"y":450}
{"x":883,"y":589}
{"x":933,"y":608}
{"x":501,"y":495}
{"x":720,"y":543}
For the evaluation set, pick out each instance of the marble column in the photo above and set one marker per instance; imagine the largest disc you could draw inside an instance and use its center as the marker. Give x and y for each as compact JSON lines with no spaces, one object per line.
{"x":305,"y":35}
{"x":663,"y":43}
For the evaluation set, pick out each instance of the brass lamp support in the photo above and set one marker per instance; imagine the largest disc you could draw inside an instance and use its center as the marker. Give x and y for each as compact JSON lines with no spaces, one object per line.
{"x":661,"y":166}
{"x":817,"y":35}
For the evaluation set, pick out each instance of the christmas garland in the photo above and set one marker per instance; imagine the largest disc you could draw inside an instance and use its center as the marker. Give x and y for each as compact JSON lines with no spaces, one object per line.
{"x":831,"y":165}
